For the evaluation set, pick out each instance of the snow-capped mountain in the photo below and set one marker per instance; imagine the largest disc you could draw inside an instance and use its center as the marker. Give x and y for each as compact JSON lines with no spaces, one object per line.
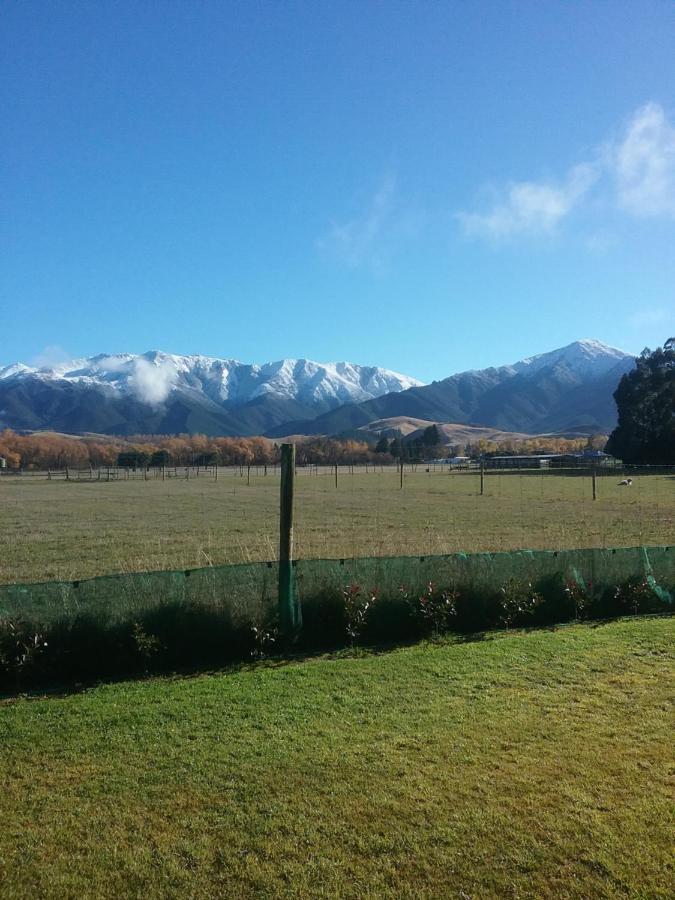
{"x":567,"y":389}
{"x":587,"y":358}
{"x":162,"y":391}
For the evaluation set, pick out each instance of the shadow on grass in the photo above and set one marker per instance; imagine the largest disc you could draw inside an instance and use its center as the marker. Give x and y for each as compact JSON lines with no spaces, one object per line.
{"x":183,"y":639}
{"x":64,"y":690}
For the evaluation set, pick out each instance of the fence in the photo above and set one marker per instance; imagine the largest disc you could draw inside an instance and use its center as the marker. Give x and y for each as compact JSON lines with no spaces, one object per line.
{"x":90,"y":627}
{"x":158,"y":621}
{"x":246,"y":587}
{"x":58,"y":529}
{"x":333,"y":471}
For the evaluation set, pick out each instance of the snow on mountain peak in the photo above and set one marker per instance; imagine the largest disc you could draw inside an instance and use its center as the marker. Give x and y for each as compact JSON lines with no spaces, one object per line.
{"x":587,"y":358}
{"x":150,"y":377}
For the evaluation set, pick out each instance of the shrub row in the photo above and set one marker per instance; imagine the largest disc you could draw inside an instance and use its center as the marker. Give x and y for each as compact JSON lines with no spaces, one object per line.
{"x":180,"y":635}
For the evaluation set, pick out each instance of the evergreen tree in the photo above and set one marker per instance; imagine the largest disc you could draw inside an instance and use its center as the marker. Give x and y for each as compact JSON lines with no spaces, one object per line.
{"x":133,"y":459}
{"x":645,"y":400}
{"x":431,"y":436}
{"x":382,"y":445}
{"x":160,"y":458}
{"x":430,"y":444}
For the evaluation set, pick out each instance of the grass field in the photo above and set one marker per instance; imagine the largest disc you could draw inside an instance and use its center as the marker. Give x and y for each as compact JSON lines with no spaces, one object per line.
{"x":529,"y":764}
{"x":59,"y":529}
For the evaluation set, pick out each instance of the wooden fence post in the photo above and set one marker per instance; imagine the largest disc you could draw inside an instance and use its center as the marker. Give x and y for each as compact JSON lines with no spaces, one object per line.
{"x":290,"y":616}
{"x":482,"y":477}
{"x":595,"y":493}
{"x":401,"y":470}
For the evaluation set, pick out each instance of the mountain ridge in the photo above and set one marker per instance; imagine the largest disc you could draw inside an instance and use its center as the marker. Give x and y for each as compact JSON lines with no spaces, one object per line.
{"x":566,"y":389}
{"x":170,"y":392}
{"x":156,"y":392}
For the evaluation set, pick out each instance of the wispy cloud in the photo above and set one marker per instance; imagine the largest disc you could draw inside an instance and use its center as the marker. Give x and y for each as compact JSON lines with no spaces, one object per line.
{"x":358,"y":241}
{"x":531,"y":207}
{"x":50,"y":356}
{"x":150,"y":382}
{"x":639,"y":170}
{"x":647,"y":317}
{"x":644,"y":164}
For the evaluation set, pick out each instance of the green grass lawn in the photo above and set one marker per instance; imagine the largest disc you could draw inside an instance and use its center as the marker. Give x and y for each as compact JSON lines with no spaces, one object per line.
{"x":523,"y":765}
{"x":73,"y":530}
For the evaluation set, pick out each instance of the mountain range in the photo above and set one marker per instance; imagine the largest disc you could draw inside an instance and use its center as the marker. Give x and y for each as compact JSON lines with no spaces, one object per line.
{"x":569,"y":389}
{"x":565,"y":390}
{"x":161,"y":393}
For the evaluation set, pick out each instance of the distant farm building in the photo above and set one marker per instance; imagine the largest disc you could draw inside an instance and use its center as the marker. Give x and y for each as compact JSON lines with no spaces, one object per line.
{"x":551,"y":460}
{"x":587,"y":458}
{"x":456,"y":461}
{"x":521,"y":461}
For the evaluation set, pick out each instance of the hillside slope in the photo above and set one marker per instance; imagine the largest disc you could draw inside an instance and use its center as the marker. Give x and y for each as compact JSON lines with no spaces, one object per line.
{"x":569,"y":389}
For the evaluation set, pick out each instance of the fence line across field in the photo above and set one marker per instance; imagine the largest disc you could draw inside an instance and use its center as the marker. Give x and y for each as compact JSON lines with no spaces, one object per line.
{"x":482,"y":472}
{"x":84,"y":521}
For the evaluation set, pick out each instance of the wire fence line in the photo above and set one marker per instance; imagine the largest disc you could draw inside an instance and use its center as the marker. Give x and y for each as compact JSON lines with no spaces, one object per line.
{"x":154,"y":473}
{"x":87,"y":522}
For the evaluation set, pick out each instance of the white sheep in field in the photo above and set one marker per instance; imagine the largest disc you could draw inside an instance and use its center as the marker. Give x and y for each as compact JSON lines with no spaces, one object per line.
{"x":627,"y":482}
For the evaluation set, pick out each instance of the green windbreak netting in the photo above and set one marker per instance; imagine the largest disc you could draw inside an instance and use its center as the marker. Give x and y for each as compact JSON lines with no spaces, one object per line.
{"x":245,"y":589}
{"x":118,"y":598}
{"x":490,"y":571}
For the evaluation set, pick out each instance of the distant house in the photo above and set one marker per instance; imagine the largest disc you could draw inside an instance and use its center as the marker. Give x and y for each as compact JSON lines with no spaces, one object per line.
{"x":3,"y":462}
{"x":456,"y":461}
{"x":522,"y":461}
{"x":551,"y":460}
{"x":587,"y":458}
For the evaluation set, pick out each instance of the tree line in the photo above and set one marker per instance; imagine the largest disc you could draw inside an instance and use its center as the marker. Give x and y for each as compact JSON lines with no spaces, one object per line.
{"x":430,"y":445}
{"x":47,"y":450}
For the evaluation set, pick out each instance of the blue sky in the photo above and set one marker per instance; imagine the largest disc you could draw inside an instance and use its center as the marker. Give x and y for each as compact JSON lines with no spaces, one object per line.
{"x":428,"y":187}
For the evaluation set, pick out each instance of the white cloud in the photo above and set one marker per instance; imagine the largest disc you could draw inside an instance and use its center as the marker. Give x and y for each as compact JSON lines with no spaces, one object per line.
{"x":654,"y":316}
{"x":357,"y":241}
{"x":637,"y":172}
{"x":112,"y":364}
{"x":644,"y":164}
{"x":531,"y":207}
{"x":152,"y":383}
{"x":50,"y":356}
